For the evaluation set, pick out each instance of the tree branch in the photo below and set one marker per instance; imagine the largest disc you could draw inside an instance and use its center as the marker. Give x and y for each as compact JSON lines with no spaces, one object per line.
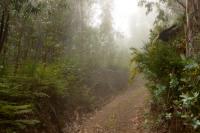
{"x":180,"y":3}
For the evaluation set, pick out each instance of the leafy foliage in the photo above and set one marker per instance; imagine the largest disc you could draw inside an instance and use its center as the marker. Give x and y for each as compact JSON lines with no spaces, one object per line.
{"x":173,"y":83}
{"x":173,"y":78}
{"x":49,"y":55}
{"x":23,"y":95}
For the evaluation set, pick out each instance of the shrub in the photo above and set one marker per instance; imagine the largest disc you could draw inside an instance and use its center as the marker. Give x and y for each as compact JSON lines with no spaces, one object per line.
{"x":174,"y":83}
{"x":39,"y":95}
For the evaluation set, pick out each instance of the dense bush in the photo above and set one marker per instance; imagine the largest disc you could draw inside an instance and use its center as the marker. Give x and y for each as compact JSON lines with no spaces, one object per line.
{"x":39,"y":95}
{"x":174,"y":83}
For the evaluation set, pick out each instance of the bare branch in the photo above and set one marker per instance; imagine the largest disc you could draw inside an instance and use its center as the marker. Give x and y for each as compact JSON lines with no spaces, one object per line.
{"x":181,"y":3}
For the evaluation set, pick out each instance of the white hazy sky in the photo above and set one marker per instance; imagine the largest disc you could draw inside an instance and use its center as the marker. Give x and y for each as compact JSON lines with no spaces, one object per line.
{"x":132,"y":21}
{"x":127,"y":13}
{"x":123,"y":11}
{"x":129,"y":19}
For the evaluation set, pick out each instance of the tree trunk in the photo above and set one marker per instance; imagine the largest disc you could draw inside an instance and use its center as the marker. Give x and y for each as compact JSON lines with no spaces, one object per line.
{"x":189,"y":28}
{"x":193,"y":27}
{"x":17,"y":59}
{"x":4,"y":23}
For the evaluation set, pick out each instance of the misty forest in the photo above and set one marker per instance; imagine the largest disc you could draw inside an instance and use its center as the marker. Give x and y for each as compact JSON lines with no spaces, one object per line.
{"x":99,"y":66}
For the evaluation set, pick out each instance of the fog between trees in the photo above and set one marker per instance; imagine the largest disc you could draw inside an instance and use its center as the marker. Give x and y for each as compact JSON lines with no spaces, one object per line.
{"x":59,"y":57}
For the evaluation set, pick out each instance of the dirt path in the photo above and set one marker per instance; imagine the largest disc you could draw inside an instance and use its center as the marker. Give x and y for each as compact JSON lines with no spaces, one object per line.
{"x":123,"y":115}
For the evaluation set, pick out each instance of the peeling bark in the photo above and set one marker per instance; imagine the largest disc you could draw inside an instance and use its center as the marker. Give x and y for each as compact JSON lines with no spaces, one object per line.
{"x":193,"y":27}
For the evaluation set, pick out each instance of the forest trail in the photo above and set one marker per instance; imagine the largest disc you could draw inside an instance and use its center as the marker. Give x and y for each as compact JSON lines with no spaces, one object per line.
{"x":125,"y":114}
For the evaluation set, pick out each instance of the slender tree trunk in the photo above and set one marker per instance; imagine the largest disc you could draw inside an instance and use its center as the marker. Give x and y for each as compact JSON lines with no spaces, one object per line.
{"x":4,"y":28}
{"x":4,"y":23}
{"x":17,"y":59}
{"x":189,"y":46}
{"x":193,"y":27}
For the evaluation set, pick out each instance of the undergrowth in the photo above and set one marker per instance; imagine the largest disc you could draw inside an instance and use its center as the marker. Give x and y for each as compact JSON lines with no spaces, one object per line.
{"x":174,"y":82}
{"x":38,"y":96}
